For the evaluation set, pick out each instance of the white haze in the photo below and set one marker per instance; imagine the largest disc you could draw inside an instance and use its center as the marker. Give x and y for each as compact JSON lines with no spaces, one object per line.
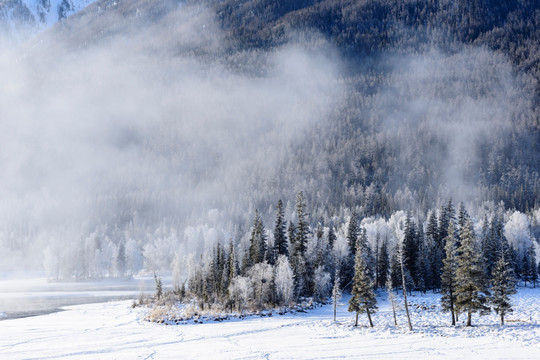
{"x":127,"y":131}
{"x":138,"y":131}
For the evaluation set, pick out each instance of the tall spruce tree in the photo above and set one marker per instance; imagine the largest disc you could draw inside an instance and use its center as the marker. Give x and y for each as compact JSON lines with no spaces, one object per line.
{"x":410,"y":247}
{"x":303,"y":225}
{"x":448,"y":280}
{"x":383,"y":265}
{"x":471,"y":290}
{"x":363,"y":298}
{"x":257,"y":241}
{"x":280,"y":239}
{"x":503,"y":286}
{"x":353,"y":231}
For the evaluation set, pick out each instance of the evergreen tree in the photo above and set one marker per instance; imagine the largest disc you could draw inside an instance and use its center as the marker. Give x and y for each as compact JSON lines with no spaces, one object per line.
{"x":303,"y":226}
{"x":336,"y":293}
{"x":410,"y":247}
{"x":291,"y":234}
{"x":257,"y":241}
{"x":471,"y":290}
{"x":363,"y":298}
{"x":280,"y":240}
{"x":383,"y":265}
{"x":503,"y":286}
{"x":121,"y":260}
{"x":448,"y":280}
{"x":159,"y":286}
{"x":395,"y":271}
{"x":532,"y":266}
{"x":353,"y":231}
{"x":331,"y":237}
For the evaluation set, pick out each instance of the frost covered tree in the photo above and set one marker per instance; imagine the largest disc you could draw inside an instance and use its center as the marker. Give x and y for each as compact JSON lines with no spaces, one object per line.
{"x":448,"y":278}
{"x":283,"y":280}
{"x":336,"y":293}
{"x":363,"y":298}
{"x":392,"y":298}
{"x":503,"y":286}
{"x":321,"y":281}
{"x":261,"y":276}
{"x":471,"y":289}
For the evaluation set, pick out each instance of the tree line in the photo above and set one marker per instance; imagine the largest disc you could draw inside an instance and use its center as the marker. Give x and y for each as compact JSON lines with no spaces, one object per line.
{"x":475,"y":272}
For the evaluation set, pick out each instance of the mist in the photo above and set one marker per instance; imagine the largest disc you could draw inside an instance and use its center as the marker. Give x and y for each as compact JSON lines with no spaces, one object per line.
{"x":136,"y":132}
{"x":154,"y":133}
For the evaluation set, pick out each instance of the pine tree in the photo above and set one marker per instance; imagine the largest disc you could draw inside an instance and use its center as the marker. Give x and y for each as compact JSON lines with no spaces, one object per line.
{"x":532,"y":266}
{"x":404,"y":273}
{"x":448,"y":280}
{"x":291,"y":234}
{"x":410,"y":247}
{"x":336,"y":293}
{"x":303,"y":226}
{"x":383,"y":265}
{"x":471,"y":290}
{"x":503,"y":285}
{"x":257,"y":241}
{"x":121,"y":260}
{"x":331,"y":237}
{"x":280,"y":240}
{"x":363,"y":298}
{"x":159,"y":286}
{"x":353,"y":232}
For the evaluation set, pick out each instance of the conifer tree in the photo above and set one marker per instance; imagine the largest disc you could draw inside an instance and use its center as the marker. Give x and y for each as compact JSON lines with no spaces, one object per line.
{"x":503,"y":285}
{"x":331,"y":237}
{"x":410,"y":247}
{"x":363,"y":298}
{"x":404,"y":284}
{"x":532,"y":266}
{"x":448,"y":281}
{"x":257,"y":241}
{"x":353,"y":232}
{"x":291,"y":235}
{"x":471,"y":290}
{"x":336,"y":293}
{"x":383,"y":265}
{"x":303,"y":226}
{"x":280,"y":240}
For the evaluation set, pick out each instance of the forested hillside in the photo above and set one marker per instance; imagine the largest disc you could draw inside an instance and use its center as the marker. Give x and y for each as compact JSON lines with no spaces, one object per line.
{"x":142,"y":134}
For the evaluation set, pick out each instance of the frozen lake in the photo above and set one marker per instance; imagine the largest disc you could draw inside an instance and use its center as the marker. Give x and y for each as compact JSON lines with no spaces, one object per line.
{"x":30,"y":297}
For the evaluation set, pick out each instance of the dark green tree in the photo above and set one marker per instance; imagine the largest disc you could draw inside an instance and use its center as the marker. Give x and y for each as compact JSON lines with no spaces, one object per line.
{"x":471,"y":289}
{"x":363,"y":298}
{"x":448,"y":280}
{"x":503,"y":286}
{"x":280,"y":239}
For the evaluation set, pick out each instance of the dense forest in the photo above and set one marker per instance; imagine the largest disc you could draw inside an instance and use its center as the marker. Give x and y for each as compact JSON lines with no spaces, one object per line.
{"x":182,"y":123}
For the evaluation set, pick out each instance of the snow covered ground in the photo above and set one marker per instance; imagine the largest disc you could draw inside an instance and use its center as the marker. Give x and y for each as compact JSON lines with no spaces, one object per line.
{"x":116,"y":331}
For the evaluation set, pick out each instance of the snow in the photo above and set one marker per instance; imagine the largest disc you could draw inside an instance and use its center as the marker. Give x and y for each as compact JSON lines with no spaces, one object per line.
{"x":115,"y":330}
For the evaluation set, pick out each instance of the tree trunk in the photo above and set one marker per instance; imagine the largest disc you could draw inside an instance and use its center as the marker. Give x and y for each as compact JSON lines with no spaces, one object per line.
{"x":469,"y":316}
{"x":502,"y":318}
{"x":356,"y":321}
{"x":452,"y":310}
{"x":369,"y":318}
{"x":335,"y":309}
{"x":404,"y":291}
{"x":394,"y":310}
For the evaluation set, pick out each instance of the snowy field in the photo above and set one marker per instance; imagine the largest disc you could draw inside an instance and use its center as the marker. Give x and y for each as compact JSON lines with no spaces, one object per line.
{"x":114,"y":330}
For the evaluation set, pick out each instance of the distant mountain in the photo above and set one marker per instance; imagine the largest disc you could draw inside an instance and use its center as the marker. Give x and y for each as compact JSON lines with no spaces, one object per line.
{"x":20,"y":18}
